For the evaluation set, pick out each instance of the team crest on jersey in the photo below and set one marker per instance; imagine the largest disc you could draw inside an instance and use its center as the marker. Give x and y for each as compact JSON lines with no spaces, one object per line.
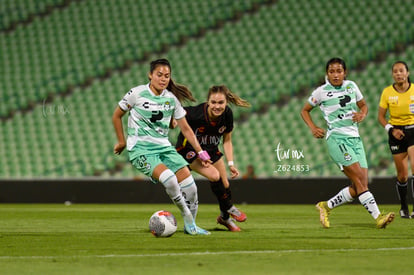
{"x":190,"y":155}
{"x":147,"y":166}
{"x":347,"y":157}
{"x":221,"y":130}
{"x":201,"y":129}
{"x":167,"y":106}
{"x":350,"y":89}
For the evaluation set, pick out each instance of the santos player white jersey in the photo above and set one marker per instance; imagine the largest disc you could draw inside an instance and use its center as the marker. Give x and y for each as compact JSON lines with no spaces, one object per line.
{"x":338,"y":105}
{"x":149,"y":118}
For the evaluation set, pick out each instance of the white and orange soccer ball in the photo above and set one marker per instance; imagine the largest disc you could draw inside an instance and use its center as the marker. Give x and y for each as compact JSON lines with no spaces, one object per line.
{"x":162,"y":224}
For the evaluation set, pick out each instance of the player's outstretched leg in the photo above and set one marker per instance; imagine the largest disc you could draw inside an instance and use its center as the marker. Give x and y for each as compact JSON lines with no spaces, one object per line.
{"x":236,"y":213}
{"x":227,"y":208}
{"x":169,"y":180}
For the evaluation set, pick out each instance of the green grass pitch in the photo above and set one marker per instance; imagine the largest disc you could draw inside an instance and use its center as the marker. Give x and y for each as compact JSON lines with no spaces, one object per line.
{"x":275,"y":239}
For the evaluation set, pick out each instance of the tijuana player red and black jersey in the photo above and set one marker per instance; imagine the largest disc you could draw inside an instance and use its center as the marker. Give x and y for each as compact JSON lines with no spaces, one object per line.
{"x":208,"y":132}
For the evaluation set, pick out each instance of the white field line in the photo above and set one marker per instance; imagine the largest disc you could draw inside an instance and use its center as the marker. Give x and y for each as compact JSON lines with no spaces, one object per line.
{"x":206,"y":253}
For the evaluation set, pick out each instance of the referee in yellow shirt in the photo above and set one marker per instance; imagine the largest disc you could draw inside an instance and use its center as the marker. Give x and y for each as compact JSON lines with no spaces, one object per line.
{"x":398,"y":99}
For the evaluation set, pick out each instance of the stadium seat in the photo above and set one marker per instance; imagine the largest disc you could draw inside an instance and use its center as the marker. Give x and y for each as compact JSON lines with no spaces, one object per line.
{"x":263,"y":56}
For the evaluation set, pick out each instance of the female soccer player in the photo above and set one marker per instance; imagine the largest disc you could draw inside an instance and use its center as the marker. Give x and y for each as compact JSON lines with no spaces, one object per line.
{"x":151,"y":108}
{"x":210,"y":121}
{"x":398,"y":98}
{"x":343,"y":107}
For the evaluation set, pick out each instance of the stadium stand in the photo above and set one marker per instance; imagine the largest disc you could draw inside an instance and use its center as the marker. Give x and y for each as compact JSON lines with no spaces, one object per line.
{"x":63,"y":73}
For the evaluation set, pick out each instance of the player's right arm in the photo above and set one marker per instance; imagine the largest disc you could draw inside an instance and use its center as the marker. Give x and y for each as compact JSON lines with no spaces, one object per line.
{"x":119,"y":130}
{"x":305,"y":113}
{"x":123,"y":107}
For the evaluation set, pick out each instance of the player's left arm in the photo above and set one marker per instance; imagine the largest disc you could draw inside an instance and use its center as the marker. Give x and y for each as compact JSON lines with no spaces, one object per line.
{"x":228,"y":152}
{"x":363,"y":111}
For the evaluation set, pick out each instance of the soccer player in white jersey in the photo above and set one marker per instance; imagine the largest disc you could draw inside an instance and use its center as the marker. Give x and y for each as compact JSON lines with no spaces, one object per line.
{"x":151,"y":108}
{"x":343,"y":107}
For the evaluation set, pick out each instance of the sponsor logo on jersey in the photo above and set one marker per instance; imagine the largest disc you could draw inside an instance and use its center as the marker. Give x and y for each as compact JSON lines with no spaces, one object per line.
{"x":165,"y":106}
{"x":124,"y":100}
{"x":393,"y":100}
{"x":313,"y":100}
{"x":222,"y":128}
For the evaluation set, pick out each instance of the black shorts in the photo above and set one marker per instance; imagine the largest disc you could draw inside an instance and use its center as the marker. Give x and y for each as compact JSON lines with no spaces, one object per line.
{"x":190,"y":155}
{"x":401,"y":146}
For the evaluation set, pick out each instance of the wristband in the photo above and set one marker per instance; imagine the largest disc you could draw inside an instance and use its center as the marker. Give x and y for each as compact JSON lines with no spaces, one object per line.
{"x":230,"y":163}
{"x":203,"y":155}
{"x":388,"y":127}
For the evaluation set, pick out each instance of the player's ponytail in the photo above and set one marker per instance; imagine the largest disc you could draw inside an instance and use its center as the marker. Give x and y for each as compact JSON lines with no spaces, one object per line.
{"x":181,"y":92}
{"x":230,"y":96}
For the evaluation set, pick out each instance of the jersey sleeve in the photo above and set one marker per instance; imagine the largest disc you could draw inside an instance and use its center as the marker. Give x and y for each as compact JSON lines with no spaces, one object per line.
{"x":383,"y":100}
{"x":358,"y":93}
{"x":179,"y":111}
{"x":229,"y":120}
{"x":315,"y":98}
{"x":128,"y":101}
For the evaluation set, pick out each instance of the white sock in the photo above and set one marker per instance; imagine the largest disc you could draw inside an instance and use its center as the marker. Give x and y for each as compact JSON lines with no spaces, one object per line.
{"x":344,"y":196}
{"x":169,"y":180}
{"x":189,"y":191}
{"x":368,"y":201}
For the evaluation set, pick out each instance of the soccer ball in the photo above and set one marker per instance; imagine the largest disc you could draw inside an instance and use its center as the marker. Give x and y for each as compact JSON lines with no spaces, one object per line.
{"x":162,"y":224}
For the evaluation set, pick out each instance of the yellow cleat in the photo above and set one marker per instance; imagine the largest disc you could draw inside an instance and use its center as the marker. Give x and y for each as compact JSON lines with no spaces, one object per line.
{"x":323,"y":213}
{"x":384,"y":219}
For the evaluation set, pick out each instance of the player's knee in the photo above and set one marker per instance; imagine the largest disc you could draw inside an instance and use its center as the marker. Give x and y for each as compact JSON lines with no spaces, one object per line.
{"x":214,"y":176}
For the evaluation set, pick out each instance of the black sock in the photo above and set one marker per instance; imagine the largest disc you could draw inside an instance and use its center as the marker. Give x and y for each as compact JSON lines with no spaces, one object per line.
{"x":412,"y":188}
{"x":228,"y":192}
{"x":223,"y":199}
{"x":402,"y":193}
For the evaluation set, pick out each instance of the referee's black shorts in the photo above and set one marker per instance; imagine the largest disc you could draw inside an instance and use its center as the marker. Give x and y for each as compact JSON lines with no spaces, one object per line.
{"x":401,"y":146}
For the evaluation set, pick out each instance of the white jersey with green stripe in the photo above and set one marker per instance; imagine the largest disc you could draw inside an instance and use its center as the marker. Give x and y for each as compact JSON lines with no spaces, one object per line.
{"x":338,"y":104}
{"x":149,"y":119}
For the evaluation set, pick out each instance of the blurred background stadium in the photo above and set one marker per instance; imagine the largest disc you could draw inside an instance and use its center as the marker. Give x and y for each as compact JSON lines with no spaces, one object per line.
{"x":65,"y":65}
